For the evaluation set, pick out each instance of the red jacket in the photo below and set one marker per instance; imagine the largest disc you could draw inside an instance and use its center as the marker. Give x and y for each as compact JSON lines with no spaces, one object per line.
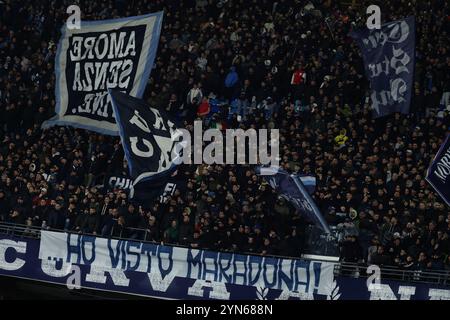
{"x":203,"y":109}
{"x":297,"y":77}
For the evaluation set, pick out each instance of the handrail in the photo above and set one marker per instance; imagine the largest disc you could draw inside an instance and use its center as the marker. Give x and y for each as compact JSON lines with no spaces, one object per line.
{"x":341,"y":268}
{"x":394,"y":273}
{"x":23,"y":227}
{"x":18,"y":227}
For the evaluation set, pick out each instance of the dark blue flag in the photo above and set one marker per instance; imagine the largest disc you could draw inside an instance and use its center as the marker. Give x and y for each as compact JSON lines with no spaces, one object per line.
{"x":438,"y":174}
{"x":159,"y":190}
{"x":292,"y":189}
{"x":389,"y":55}
{"x":148,"y":136}
{"x":146,"y":193}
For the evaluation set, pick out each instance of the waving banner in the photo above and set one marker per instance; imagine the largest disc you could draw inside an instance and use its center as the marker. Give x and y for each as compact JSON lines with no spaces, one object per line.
{"x":389,"y":55}
{"x":292,"y":188}
{"x":144,"y":194}
{"x":438,"y":174}
{"x":161,"y":189}
{"x":148,"y":136}
{"x":165,"y":272}
{"x":102,"y":55}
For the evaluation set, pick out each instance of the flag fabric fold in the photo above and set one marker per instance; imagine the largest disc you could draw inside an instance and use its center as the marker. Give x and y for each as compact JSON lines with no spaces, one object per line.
{"x":292,"y":188}
{"x":149,"y":139}
{"x":389,"y":59}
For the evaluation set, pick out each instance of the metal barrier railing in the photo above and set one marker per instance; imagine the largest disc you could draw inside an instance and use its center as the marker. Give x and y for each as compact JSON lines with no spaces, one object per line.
{"x":34,"y":232}
{"x":355,"y":270}
{"x":347,"y":269}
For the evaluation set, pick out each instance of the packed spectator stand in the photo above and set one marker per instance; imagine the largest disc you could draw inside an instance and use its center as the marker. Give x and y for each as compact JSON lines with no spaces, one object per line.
{"x":239,"y":64}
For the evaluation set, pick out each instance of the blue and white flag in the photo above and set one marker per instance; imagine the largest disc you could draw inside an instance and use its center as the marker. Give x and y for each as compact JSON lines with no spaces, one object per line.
{"x":292,"y":189}
{"x":309,"y":182}
{"x":102,"y":55}
{"x":438,"y":174}
{"x":389,"y":57}
{"x":149,"y":138}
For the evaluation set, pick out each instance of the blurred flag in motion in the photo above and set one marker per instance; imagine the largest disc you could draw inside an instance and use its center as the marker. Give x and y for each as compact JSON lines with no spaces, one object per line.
{"x":296,"y":190}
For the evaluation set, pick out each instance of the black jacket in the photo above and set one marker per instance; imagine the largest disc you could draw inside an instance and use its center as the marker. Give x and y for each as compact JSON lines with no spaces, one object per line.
{"x":91,"y":223}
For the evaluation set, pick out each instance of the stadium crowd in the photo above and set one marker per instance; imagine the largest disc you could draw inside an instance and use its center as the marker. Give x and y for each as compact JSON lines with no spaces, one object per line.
{"x":236,"y":63}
